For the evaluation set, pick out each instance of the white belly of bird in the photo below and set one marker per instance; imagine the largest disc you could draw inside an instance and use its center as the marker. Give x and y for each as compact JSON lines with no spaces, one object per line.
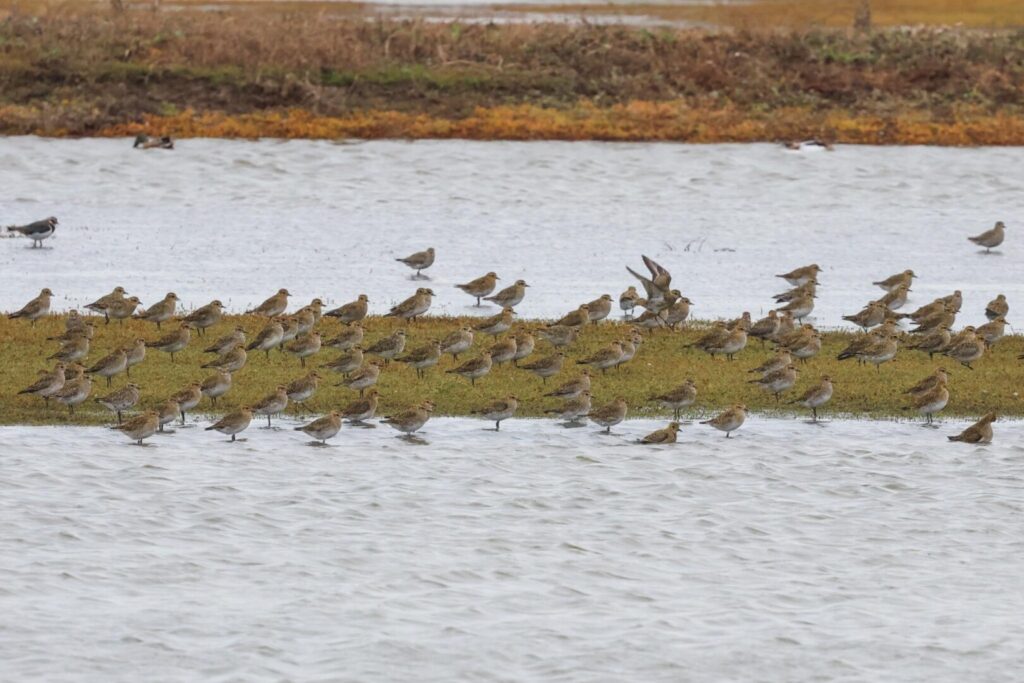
{"x":188,"y":404}
{"x":116,"y":406}
{"x":681,"y":403}
{"x":272,"y":407}
{"x":231,"y":430}
{"x":729,"y":426}
{"x":270,"y":342}
{"x":934,"y":406}
{"x":476,"y":374}
{"x":880,"y":358}
{"x":549,"y":371}
{"x":113,"y":368}
{"x":458,"y":347}
{"x":54,"y":387}
{"x":609,"y":362}
{"x":802,"y":311}
{"x":75,"y":398}
{"x":409,"y":427}
{"x":806,"y":351}
{"x":40,"y":236}
{"x":324,"y":433}
{"x":362,"y":416}
{"x":503,"y":415}
{"x":819,"y":399}
{"x":608,"y":422}
{"x":971,"y":357}
{"x":170,"y":348}
{"x":780,"y":385}
{"x":734,"y":345}
{"x":362,"y":383}
{"x":497,"y":329}
{"x":303,"y":395}
{"x":144,"y":432}
{"x":217,"y":390}
{"x":503,"y":356}
{"x":347,"y":367}
{"x":898,"y":302}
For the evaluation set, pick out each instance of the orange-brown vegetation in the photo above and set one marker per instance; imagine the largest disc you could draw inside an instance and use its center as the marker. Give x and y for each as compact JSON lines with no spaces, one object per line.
{"x":72,"y":71}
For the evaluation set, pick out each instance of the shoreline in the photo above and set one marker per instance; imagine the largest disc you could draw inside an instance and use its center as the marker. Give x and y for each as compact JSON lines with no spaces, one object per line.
{"x":195,"y":73}
{"x":661,"y":364}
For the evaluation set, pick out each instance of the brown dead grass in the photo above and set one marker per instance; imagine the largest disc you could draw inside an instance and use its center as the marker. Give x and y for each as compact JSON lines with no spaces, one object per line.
{"x":67,"y":71}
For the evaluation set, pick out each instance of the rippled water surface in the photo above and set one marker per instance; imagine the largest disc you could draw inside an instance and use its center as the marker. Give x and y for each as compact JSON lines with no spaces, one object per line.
{"x":851,"y":551}
{"x":237,"y":220}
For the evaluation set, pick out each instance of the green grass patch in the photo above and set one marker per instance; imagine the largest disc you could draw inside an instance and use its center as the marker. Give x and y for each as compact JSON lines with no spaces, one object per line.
{"x":661,"y":363}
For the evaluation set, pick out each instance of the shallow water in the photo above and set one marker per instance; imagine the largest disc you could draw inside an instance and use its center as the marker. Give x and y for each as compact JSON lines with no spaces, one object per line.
{"x":237,"y":220}
{"x":537,"y":553}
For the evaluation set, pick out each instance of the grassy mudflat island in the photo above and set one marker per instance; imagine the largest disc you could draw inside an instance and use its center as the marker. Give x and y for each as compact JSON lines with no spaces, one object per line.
{"x":336,"y":70}
{"x":662,"y":363}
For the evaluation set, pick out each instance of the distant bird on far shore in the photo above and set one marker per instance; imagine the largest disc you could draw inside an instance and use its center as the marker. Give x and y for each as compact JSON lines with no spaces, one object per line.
{"x":37,"y":231}
{"x":143,"y":141}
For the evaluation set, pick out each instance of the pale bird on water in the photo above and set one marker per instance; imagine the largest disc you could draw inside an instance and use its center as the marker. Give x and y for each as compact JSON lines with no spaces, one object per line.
{"x":419,"y":261}
{"x":992,"y":238}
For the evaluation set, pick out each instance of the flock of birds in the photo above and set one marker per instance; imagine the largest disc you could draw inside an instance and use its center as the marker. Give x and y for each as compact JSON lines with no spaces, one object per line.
{"x":663,"y":307}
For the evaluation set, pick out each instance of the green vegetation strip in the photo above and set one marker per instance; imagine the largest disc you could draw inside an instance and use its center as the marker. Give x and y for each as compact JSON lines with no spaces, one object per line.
{"x":661,"y":364}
